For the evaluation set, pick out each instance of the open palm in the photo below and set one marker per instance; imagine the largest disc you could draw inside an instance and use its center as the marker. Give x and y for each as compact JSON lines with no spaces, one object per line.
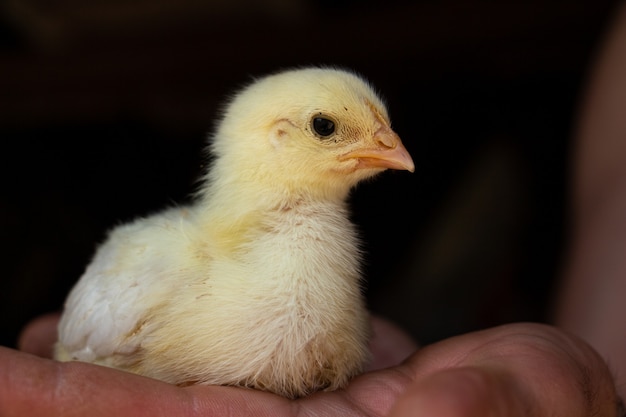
{"x":511,"y":370}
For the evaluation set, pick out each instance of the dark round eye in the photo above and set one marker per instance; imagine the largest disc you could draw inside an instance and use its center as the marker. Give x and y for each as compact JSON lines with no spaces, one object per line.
{"x":323,"y":126}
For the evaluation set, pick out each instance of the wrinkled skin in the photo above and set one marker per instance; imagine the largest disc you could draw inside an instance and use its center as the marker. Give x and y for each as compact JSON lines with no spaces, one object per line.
{"x":511,"y":370}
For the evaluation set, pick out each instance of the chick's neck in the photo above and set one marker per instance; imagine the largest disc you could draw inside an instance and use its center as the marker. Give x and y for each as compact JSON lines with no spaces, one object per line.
{"x":245,"y":201}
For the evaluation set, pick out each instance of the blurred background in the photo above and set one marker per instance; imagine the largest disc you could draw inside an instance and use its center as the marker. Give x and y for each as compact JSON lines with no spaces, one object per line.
{"x":105,"y":108}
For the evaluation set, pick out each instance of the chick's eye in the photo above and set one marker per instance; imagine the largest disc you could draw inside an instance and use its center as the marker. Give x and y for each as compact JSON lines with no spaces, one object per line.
{"x":323,"y":126}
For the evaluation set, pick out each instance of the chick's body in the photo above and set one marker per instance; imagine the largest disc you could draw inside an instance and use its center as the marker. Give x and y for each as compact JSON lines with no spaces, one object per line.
{"x":257,"y":282}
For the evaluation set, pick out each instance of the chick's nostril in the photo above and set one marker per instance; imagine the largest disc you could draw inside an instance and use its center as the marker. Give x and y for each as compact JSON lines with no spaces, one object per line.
{"x":386,"y":138}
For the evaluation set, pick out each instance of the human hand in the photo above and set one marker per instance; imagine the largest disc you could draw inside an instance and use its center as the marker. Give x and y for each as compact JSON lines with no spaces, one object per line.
{"x":512,"y":370}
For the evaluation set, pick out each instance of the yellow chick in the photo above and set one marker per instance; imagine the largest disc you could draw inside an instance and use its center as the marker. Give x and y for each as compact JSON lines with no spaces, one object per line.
{"x":257,"y":283}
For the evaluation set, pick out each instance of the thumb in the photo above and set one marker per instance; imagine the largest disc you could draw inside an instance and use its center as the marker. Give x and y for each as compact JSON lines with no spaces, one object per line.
{"x":462,"y":392}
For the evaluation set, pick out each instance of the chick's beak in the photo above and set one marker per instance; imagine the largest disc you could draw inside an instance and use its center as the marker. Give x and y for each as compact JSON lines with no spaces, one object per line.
{"x":384,"y":151}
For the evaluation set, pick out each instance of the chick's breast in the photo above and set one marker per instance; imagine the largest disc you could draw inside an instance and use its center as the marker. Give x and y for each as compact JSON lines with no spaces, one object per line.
{"x":282,"y":313}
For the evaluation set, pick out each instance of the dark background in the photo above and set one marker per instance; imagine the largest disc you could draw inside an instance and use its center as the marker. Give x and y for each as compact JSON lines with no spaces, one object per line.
{"x":105,"y":106}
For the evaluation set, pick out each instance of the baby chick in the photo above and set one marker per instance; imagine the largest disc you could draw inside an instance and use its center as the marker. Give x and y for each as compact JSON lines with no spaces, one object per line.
{"x":257,"y":283}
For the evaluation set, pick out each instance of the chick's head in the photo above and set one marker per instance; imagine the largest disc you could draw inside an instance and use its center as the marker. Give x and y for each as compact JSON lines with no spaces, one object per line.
{"x":311,"y":130}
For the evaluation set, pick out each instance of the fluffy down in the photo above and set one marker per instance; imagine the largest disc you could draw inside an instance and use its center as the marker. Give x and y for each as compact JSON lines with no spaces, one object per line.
{"x":257,"y":283}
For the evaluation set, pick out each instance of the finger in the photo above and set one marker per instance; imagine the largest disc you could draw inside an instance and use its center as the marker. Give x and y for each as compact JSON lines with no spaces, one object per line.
{"x":463,"y":392}
{"x":390,"y":345}
{"x":39,"y":336}
{"x":33,"y":386}
{"x":553,"y":373}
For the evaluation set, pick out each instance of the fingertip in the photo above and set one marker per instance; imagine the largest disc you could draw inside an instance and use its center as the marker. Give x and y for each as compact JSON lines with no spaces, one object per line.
{"x":39,"y":335}
{"x":390,"y":344}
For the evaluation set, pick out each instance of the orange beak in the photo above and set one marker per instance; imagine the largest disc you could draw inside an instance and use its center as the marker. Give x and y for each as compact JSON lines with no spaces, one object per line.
{"x":387,"y":151}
